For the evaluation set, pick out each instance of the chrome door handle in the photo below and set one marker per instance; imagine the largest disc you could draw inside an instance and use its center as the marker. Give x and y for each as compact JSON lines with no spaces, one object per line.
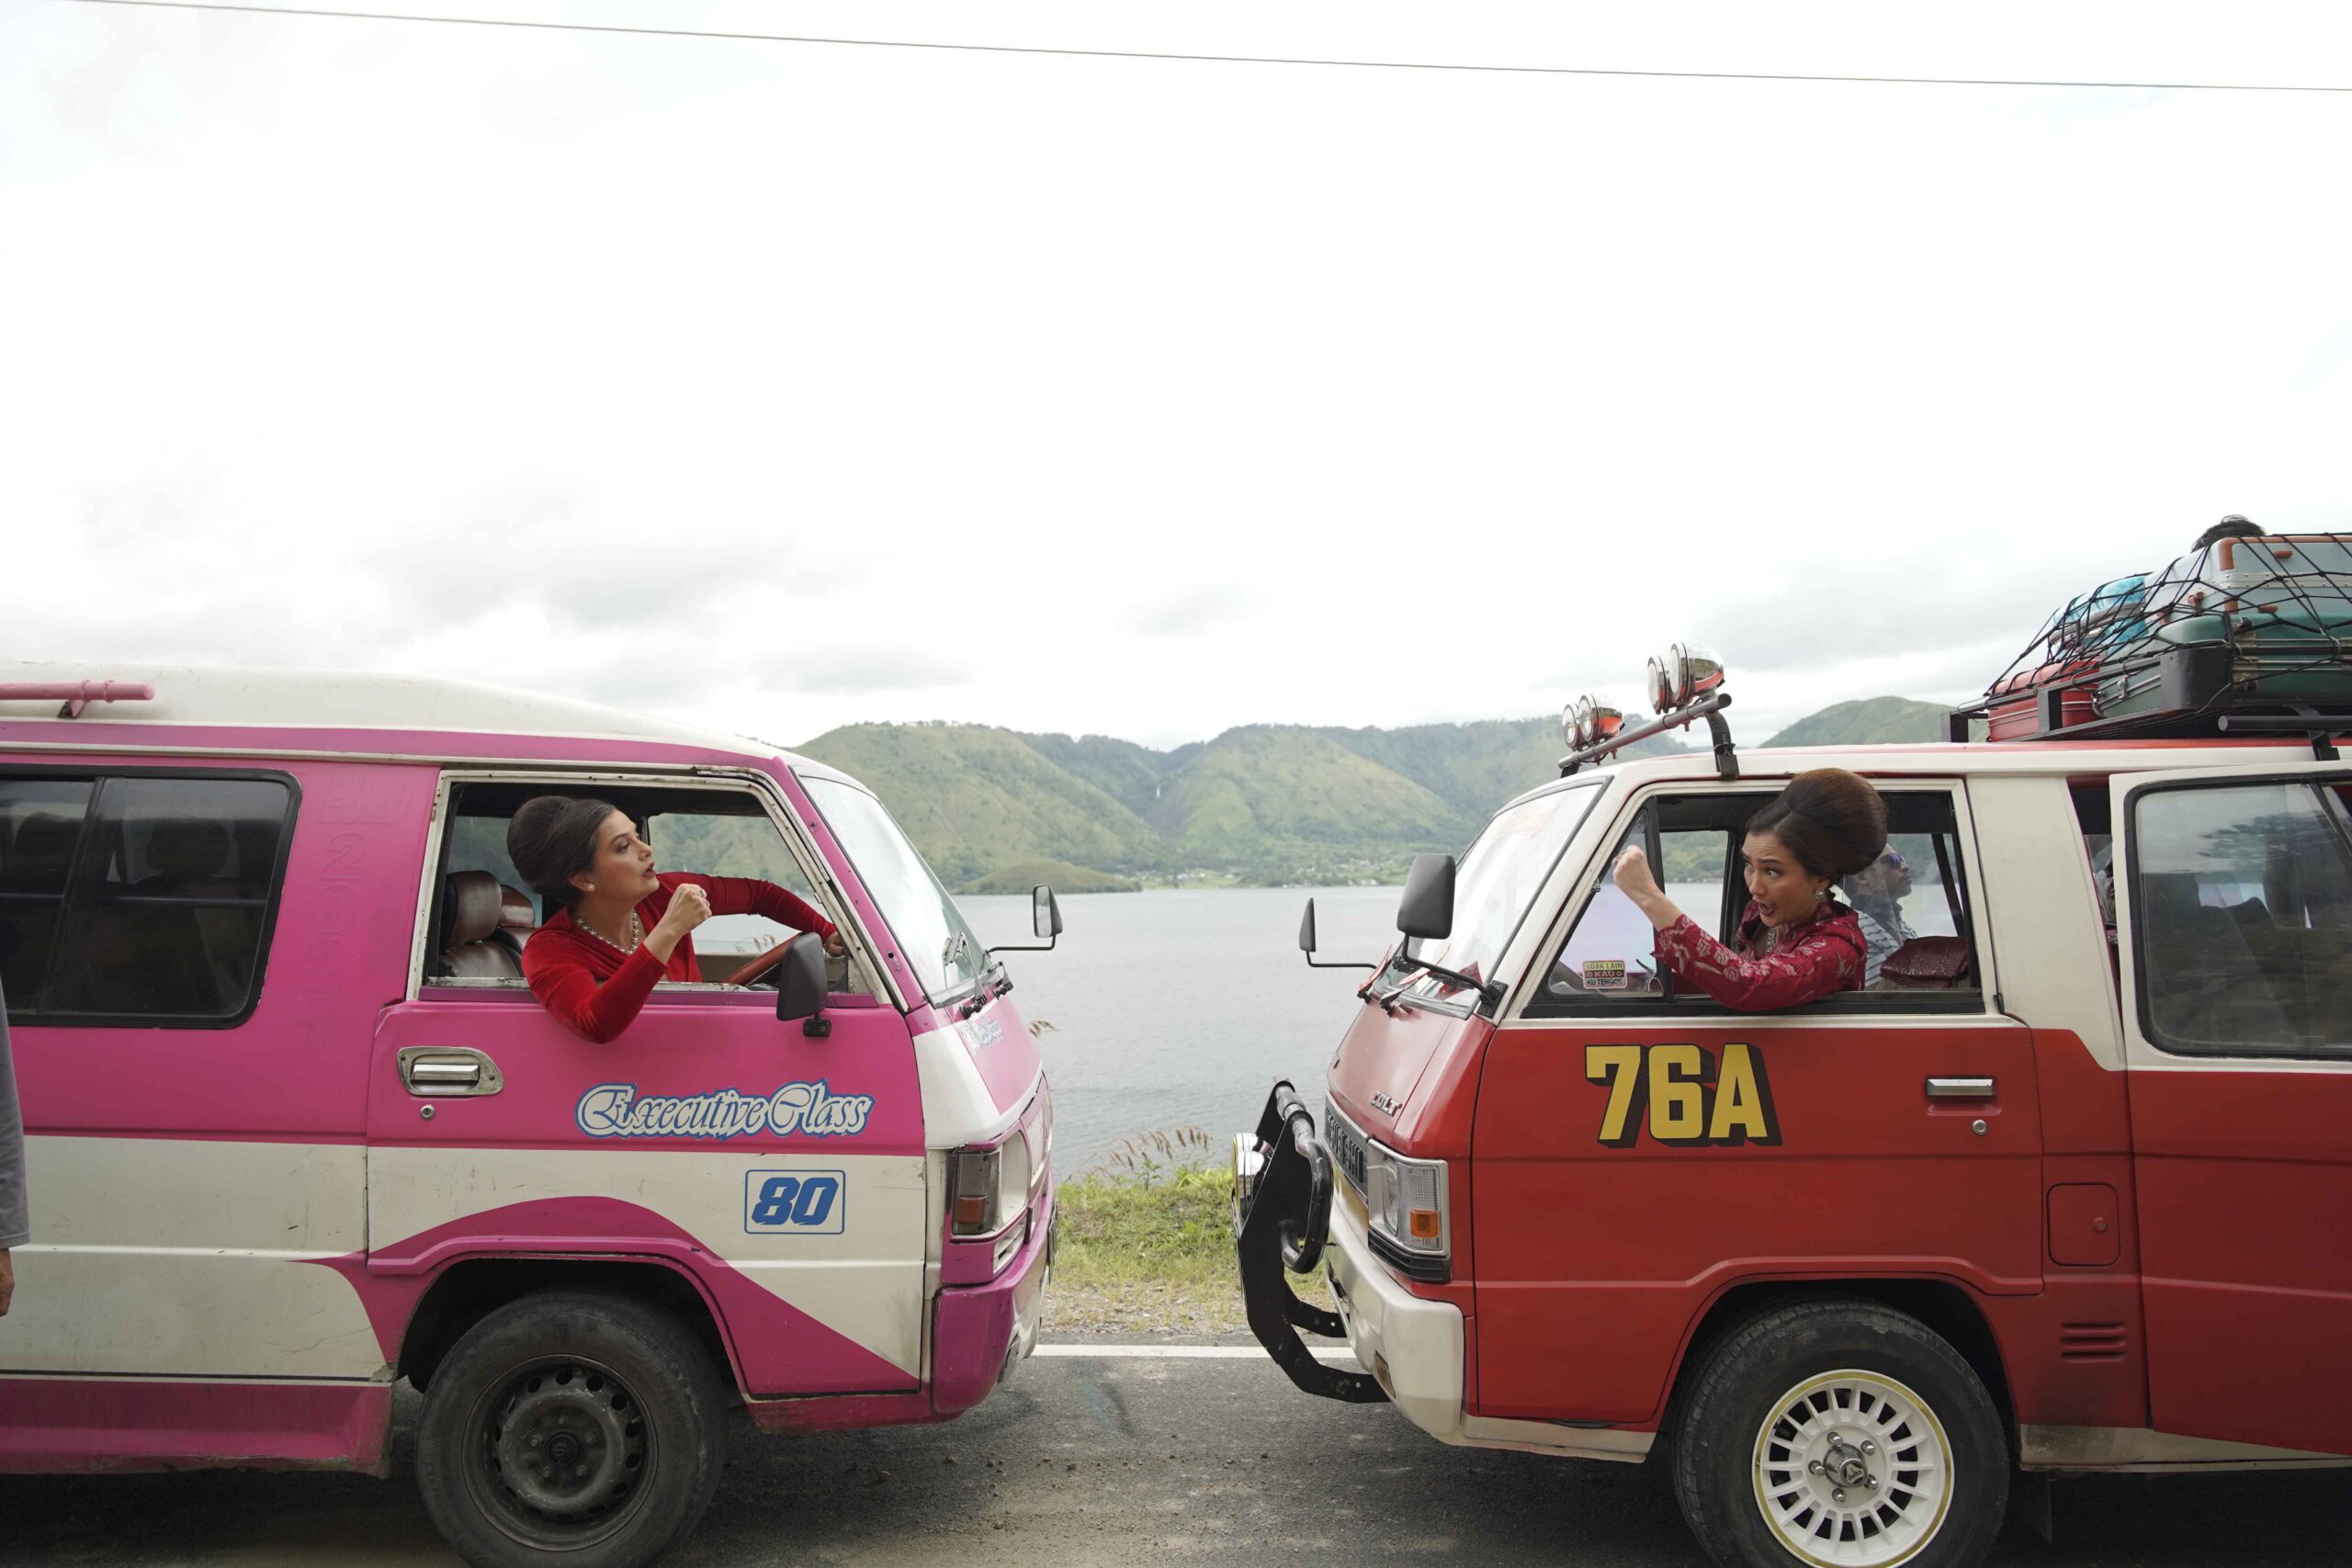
{"x":1960,"y":1089}
{"x":448,"y":1069}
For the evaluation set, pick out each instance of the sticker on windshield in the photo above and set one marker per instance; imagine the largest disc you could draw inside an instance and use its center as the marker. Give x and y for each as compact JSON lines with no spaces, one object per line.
{"x":1604,"y":974}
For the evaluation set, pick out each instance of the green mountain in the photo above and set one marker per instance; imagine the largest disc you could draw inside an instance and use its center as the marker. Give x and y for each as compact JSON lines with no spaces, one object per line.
{"x":976,"y":799}
{"x":1872,"y":721}
{"x":1262,"y":805}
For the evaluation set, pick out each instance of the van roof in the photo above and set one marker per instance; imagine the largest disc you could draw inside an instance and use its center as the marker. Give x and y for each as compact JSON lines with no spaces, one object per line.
{"x":1942,"y":760}
{"x":277,"y":700}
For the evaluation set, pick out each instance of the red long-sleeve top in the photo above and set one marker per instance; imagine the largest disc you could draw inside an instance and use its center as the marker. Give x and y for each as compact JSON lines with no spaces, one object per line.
{"x":596,"y":990}
{"x":1812,"y":958}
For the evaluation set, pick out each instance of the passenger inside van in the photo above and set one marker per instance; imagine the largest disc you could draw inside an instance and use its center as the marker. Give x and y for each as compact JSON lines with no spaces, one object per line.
{"x":1877,"y":892}
{"x":1796,"y":941}
{"x":618,"y":926}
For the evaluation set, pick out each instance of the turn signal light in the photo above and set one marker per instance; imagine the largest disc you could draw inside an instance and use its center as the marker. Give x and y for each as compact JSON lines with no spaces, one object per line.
{"x":1423,"y":1225}
{"x":971,"y":1214}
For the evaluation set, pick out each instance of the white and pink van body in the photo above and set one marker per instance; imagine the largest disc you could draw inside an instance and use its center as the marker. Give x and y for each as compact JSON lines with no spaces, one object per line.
{"x":267,"y":1188}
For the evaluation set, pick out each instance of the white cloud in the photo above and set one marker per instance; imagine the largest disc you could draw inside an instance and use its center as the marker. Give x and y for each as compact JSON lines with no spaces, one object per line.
{"x":783,"y":387}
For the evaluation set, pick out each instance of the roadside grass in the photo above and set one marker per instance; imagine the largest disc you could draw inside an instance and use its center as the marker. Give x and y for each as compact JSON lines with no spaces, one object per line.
{"x":1146,"y":1244}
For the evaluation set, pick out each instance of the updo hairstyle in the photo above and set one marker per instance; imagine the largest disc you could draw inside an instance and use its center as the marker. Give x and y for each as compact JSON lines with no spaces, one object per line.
{"x":1831,"y":820}
{"x":552,"y":839}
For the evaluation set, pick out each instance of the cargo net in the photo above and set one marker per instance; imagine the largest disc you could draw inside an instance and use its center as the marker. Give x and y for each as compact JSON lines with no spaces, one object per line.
{"x":2251,"y":625}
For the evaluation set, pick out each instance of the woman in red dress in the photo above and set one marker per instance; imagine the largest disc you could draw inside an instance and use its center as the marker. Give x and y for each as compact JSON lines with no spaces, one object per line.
{"x":1796,"y":942}
{"x":622,"y":927}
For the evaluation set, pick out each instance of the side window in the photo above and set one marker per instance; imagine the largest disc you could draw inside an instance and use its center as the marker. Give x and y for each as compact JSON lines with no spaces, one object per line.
{"x":716,"y":832}
{"x":1608,"y":952}
{"x":687,"y":838}
{"x":143,"y":899}
{"x":40,"y":824}
{"x":1912,"y":905}
{"x":2242,"y":915}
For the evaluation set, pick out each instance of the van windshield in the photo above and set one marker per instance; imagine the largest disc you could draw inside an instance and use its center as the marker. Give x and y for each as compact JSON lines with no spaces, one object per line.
{"x":937,"y":945}
{"x":1499,"y":878}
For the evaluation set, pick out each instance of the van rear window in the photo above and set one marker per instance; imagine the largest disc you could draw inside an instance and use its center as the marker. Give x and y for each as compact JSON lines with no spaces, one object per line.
{"x":138,"y":898}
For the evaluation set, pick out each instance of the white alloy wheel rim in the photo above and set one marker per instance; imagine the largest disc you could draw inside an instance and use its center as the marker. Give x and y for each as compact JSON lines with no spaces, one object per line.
{"x":1852,"y":1469}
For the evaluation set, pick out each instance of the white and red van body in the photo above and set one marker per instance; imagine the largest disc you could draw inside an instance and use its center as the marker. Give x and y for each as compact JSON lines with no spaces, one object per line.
{"x":249,"y":1223}
{"x":2132,"y":1230}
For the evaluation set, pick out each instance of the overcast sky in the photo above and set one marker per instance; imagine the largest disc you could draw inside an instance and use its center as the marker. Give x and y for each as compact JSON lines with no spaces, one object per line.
{"x":776,"y":386}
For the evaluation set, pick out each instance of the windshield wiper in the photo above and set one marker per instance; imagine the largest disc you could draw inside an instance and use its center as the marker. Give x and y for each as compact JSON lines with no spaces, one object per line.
{"x":1490,"y":992}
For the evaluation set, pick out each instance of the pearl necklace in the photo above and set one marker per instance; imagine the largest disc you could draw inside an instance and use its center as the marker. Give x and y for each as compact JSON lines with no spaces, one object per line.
{"x":635,"y":933}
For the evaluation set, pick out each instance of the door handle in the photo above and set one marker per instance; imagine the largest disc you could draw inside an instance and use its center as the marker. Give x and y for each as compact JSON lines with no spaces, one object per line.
{"x":1960,"y":1089}
{"x":448,"y":1069}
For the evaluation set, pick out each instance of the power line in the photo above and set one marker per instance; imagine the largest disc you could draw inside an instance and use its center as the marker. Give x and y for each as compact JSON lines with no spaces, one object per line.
{"x":1215,"y":59}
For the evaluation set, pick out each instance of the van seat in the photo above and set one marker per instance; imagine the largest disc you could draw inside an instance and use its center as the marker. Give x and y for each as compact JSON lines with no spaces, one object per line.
{"x":471,"y":906}
{"x":517,"y":919}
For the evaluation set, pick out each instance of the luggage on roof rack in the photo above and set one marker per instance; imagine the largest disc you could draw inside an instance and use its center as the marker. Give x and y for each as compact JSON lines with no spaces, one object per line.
{"x":2247,"y":635}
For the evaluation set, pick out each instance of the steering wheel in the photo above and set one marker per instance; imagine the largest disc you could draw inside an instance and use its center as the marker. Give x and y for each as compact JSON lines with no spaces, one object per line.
{"x":761,"y":967}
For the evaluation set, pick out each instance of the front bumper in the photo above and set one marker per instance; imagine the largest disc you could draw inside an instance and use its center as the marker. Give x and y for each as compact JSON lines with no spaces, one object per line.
{"x":979,"y":1333}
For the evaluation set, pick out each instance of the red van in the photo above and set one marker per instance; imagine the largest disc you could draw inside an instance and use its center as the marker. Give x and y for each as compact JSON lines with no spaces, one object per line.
{"x":2075,"y":1198}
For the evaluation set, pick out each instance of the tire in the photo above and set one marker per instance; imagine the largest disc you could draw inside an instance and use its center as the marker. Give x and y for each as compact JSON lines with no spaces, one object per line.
{"x":1859,"y":1389}
{"x":619,"y":1389}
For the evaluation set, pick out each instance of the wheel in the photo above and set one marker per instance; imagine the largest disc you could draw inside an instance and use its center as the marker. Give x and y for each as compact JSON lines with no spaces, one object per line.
{"x":1839,"y":1433}
{"x":571,"y":1428}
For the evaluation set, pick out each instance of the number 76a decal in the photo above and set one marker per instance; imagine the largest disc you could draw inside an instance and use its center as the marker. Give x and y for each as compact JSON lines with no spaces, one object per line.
{"x":1687,"y":1096}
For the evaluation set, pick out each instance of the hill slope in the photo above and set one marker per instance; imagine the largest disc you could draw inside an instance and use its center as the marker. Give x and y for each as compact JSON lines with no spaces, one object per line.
{"x":975,"y":799}
{"x":1872,"y":721}
{"x":1260,"y":804}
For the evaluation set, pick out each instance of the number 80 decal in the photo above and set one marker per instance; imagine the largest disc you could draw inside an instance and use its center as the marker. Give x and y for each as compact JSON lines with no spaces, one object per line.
{"x":800,"y":1203}
{"x":1687,"y":1099}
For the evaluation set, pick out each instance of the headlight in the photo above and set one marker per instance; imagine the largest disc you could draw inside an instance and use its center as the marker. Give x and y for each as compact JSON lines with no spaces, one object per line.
{"x":988,"y":1189}
{"x":1407,"y":1200}
{"x":1012,"y":1178}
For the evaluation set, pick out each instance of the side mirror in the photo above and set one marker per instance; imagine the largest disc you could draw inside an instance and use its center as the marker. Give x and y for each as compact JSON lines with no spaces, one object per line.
{"x":1427,"y":909}
{"x":1045,"y":919}
{"x":1306,"y":943}
{"x":801,"y":988}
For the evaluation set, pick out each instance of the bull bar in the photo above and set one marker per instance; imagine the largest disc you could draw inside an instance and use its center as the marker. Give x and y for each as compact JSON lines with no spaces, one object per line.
{"x":1281,"y":1214}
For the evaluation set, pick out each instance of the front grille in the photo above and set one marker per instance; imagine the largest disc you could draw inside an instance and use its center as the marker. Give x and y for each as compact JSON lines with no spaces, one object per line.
{"x":1346,"y":1145}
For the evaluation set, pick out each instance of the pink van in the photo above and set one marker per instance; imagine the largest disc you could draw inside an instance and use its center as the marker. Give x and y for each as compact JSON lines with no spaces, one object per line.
{"x":297,"y":1129}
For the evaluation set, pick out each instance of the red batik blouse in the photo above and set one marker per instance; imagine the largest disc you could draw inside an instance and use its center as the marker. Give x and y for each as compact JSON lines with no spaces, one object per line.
{"x":596,"y":989}
{"x":1815,"y":958}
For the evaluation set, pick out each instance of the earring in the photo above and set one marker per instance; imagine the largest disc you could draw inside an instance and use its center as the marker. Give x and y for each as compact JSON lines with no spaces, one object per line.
{"x":1821,"y":895}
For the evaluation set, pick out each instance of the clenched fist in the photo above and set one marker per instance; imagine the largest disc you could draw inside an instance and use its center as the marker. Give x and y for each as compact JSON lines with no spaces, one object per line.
{"x":689,"y":907}
{"x":1632,"y":874}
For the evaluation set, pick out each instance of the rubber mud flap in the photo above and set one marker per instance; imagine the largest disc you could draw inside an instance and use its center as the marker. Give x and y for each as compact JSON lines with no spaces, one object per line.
{"x":1285,"y":1231}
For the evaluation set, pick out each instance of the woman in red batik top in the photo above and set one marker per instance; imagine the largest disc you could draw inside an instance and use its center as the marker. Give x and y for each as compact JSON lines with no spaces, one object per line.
{"x":1796,"y":942}
{"x":622,"y":927}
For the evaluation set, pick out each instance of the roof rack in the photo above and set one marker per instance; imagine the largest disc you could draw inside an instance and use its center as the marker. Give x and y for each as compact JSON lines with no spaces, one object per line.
{"x":76,"y":694}
{"x":2250,"y":634}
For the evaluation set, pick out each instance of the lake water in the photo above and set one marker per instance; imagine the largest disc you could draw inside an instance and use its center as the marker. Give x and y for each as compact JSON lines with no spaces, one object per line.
{"x":1174,"y":1009}
{"x":1181,"y":1008}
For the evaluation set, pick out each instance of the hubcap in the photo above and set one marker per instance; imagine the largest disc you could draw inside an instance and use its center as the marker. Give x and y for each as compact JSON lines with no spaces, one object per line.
{"x":565,"y":1451}
{"x":1852,"y":1469}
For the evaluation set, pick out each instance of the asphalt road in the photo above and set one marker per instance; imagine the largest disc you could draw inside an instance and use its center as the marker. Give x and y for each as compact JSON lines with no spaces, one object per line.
{"x":1086,"y":1461}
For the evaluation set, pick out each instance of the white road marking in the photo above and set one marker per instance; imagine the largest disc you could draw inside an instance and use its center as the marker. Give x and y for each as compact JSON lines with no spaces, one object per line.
{"x":1185,"y":1353}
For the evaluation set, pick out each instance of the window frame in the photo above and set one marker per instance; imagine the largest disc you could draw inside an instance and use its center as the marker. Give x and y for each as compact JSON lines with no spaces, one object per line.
{"x":76,"y":875}
{"x":831,"y":898}
{"x":2131,"y":787}
{"x":1687,"y":1007}
{"x":1427,"y":992}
